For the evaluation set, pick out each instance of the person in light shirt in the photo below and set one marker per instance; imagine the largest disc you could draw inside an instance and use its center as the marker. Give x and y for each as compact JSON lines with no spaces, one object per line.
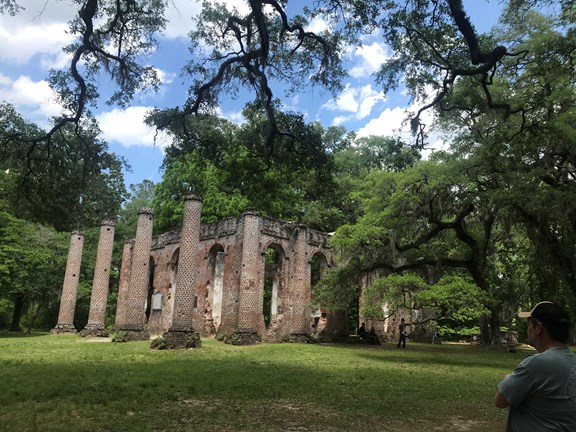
{"x":540,"y":393}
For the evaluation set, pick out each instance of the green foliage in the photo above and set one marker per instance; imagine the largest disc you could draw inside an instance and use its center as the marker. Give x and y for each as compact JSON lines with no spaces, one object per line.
{"x":120,"y":336}
{"x":140,"y":195}
{"x":159,"y":344}
{"x":453,"y":303}
{"x":232,"y":168}
{"x":32,"y":263}
{"x":395,"y":290}
{"x":71,"y":184}
{"x":455,"y":297}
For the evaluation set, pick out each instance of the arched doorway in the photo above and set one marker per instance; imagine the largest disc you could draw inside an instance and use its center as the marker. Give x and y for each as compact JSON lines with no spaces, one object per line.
{"x":272,"y":281}
{"x":216,"y":285}
{"x":318,"y":266}
{"x":150,"y":293}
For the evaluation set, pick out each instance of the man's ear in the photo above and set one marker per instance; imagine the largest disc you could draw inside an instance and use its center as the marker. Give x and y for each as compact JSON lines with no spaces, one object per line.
{"x":538,"y":327}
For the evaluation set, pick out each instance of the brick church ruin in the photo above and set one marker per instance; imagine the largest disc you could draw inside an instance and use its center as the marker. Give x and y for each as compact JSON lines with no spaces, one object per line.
{"x":248,"y":276}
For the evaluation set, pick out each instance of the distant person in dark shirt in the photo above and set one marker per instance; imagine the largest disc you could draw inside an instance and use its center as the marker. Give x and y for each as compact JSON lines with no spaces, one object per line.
{"x":362,"y":331}
{"x":402,"y":340}
{"x":373,"y":337}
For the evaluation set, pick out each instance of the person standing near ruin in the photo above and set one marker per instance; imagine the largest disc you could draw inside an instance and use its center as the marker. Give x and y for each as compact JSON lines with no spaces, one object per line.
{"x":362,"y":331}
{"x":402,"y":329}
{"x":540,"y":393}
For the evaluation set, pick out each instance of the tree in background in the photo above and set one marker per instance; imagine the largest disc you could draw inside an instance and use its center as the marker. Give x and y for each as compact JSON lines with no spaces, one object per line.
{"x":498,"y":203}
{"x":32,"y":259}
{"x":74,"y":184}
{"x":509,"y":97}
{"x":230,"y":168}
{"x":454,"y":303}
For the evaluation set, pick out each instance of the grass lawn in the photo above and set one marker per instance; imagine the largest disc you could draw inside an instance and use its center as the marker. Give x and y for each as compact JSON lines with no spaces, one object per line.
{"x":72,"y":384}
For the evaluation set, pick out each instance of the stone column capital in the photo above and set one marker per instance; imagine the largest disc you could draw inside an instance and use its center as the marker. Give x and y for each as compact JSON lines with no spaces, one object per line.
{"x":146,"y":210}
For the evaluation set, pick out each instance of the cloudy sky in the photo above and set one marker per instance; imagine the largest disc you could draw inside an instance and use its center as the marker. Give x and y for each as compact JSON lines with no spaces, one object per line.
{"x":31,"y":42}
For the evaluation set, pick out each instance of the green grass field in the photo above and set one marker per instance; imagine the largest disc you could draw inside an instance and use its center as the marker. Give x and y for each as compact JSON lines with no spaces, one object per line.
{"x":72,"y":384}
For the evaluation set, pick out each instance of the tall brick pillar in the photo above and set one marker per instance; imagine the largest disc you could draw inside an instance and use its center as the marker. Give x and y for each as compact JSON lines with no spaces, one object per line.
{"x":101,"y":282}
{"x":70,"y":287}
{"x":139,"y":278}
{"x":181,"y":333}
{"x":250,"y":319}
{"x":300,"y":283}
{"x":123,"y":287}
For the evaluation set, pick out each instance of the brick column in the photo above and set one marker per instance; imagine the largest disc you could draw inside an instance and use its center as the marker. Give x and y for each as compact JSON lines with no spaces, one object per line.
{"x":181,"y":333}
{"x":123,"y":287}
{"x":250,"y":319}
{"x":70,"y":287}
{"x":101,"y":282}
{"x":300,"y":283}
{"x":139,"y":277}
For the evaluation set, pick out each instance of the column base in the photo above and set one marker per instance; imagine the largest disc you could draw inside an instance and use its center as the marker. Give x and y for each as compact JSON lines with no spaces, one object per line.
{"x":94,"y":330}
{"x":300,"y":338}
{"x":176,"y":339}
{"x":63,"y":329}
{"x":125,"y":335}
{"x":243,"y":337}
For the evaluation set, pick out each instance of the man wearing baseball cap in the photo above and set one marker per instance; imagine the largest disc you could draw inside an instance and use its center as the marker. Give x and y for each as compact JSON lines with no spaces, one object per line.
{"x":541,"y":391}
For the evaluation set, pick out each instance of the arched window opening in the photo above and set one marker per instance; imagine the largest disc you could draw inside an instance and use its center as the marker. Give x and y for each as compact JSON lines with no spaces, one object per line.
{"x":150,"y":288}
{"x":272,"y":272}
{"x":318,"y":266}
{"x":216,"y":287}
{"x":174,"y":269}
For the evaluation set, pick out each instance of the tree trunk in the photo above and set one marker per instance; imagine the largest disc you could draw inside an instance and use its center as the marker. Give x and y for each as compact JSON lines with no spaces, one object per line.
{"x":484,"y":331}
{"x":495,"y":323}
{"x":34,"y":317}
{"x":17,"y":314}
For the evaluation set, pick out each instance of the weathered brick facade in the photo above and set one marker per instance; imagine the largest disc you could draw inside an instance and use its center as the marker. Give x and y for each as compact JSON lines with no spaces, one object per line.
{"x":100,"y":285}
{"x":134,"y":308}
{"x":70,"y":288}
{"x":216,"y":278}
{"x":228,"y":277}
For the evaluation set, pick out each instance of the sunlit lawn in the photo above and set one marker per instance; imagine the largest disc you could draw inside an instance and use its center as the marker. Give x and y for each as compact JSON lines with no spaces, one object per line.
{"x":71,"y":384}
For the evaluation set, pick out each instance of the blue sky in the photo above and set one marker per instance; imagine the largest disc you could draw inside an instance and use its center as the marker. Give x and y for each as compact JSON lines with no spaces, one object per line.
{"x":30,"y":44}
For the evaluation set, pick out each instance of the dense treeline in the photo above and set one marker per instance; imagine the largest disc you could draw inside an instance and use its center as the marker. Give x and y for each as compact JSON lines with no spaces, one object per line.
{"x":491,"y":216}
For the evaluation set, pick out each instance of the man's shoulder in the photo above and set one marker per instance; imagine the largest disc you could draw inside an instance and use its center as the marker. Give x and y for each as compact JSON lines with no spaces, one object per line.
{"x":555,"y":355}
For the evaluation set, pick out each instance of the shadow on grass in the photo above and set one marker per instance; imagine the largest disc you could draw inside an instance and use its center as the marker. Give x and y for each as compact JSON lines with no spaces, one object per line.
{"x":20,"y":334}
{"x":117,"y":387}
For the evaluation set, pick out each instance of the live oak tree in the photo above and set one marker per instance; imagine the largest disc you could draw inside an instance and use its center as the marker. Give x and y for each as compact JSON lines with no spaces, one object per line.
{"x":531,"y":153}
{"x":73,"y":184}
{"x":228,"y":166}
{"x":434,"y":43}
{"x":512,"y":90}
{"x":452,"y":303}
{"x":499,"y":205}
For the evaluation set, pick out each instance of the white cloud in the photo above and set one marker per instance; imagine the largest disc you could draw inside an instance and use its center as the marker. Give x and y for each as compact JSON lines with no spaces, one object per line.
{"x":180,"y":14}
{"x":356,"y":100}
{"x":337,"y":121}
{"x":388,"y":123}
{"x":20,"y":45}
{"x":317,"y":25}
{"x":164,"y":76}
{"x":232,"y":116}
{"x":394,"y":122}
{"x":40,"y":29}
{"x":4,"y":80}
{"x":180,"y":18}
{"x":371,"y":58}
{"x":128,"y":129}
{"x":34,"y":98}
